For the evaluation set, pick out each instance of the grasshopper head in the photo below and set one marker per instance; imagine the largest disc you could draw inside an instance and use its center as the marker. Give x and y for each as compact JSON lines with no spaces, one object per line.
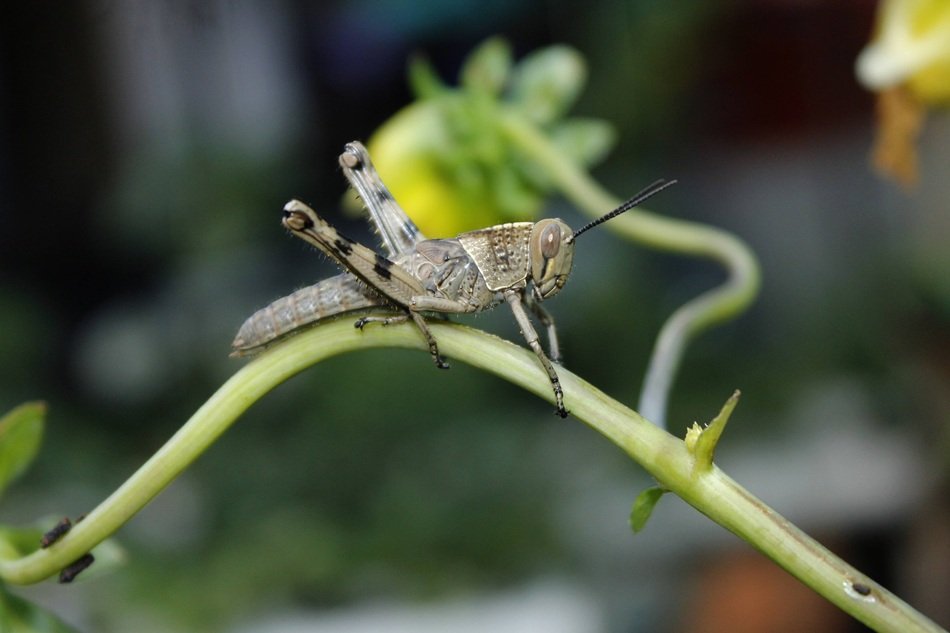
{"x":552,"y":244}
{"x":552,"y":254}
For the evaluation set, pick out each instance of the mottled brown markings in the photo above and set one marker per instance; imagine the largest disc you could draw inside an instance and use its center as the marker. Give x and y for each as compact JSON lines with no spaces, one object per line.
{"x":382,"y":266}
{"x":343,"y":245}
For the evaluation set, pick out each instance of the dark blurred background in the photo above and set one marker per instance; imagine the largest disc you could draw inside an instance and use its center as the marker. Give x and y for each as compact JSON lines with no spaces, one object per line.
{"x":146,"y":150}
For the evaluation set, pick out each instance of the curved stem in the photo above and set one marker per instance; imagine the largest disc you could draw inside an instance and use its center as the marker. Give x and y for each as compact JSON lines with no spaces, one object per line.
{"x":661,"y":233}
{"x":667,"y":458}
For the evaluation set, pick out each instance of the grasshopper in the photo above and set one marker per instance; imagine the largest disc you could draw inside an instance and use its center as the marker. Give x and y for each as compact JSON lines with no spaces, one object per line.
{"x":520,"y":263}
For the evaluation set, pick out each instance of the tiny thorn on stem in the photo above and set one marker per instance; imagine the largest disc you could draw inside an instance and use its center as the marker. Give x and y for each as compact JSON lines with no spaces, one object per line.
{"x":705,"y":444}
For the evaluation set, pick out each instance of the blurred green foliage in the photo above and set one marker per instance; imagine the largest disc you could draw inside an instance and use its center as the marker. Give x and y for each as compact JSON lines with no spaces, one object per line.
{"x":21,"y":432}
{"x":445,"y":157}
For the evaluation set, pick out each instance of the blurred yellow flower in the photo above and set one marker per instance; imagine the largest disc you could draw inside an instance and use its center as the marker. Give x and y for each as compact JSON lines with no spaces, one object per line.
{"x":912,"y":47}
{"x":908,"y":64}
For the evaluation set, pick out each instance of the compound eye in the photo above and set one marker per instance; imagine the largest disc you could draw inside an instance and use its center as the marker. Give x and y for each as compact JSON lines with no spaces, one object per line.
{"x":550,"y":241}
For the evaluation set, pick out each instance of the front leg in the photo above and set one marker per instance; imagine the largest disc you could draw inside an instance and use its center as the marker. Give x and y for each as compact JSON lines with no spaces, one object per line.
{"x":513,"y":297}
{"x":548,"y":322}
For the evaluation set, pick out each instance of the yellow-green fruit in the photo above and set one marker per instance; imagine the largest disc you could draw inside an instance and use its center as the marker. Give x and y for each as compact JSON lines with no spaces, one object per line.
{"x":411,"y":151}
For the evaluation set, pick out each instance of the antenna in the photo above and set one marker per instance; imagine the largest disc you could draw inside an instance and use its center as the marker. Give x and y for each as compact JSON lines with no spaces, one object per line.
{"x":646,"y":192}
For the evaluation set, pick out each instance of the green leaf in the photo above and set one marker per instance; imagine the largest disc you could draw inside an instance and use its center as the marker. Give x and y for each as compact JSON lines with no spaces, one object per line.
{"x":19,"y":541}
{"x":19,"y":616}
{"x":515,"y":196}
{"x":110,"y":555}
{"x":547,"y":82}
{"x":424,"y":82}
{"x":487,"y":68}
{"x":21,"y":431}
{"x":643,"y":507}
{"x":587,"y":141}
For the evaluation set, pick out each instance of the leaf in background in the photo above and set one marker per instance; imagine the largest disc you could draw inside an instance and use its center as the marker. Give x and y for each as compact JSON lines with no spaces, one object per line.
{"x":19,"y":541}
{"x":424,"y":82}
{"x":587,"y":141}
{"x":643,"y":507}
{"x":19,"y":616}
{"x":110,"y":555}
{"x":21,"y":431}
{"x":546,"y":83}
{"x":487,"y":68}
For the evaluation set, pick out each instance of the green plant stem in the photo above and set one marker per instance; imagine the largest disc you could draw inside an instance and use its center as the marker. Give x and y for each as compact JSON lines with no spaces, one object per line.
{"x":661,"y":233}
{"x":664,"y":456}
